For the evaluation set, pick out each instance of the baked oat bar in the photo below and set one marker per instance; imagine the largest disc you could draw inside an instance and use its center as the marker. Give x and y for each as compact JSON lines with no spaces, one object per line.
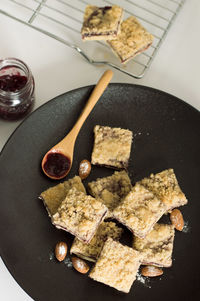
{"x":156,"y":248}
{"x":112,"y":146}
{"x":111,"y":189}
{"x":53,"y":196}
{"x":131,"y":41}
{"x":101,"y":23}
{"x":80,"y":215}
{"x":139,"y":210}
{"x":165,"y":186}
{"x":92,"y":250}
{"x":116,"y":266}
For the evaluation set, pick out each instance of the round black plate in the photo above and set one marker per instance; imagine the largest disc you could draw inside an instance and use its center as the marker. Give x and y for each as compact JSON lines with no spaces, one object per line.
{"x":166,"y":135}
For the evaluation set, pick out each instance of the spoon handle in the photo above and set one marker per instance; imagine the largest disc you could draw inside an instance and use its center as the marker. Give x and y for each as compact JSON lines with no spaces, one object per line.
{"x":94,"y":97}
{"x":65,"y":148}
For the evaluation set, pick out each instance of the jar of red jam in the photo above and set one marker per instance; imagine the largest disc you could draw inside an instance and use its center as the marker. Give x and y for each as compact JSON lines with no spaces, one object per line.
{"x":16,"y":89}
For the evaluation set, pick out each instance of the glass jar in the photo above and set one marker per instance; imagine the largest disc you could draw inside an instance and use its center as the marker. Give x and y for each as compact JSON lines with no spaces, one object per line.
{"x":16,"y":89}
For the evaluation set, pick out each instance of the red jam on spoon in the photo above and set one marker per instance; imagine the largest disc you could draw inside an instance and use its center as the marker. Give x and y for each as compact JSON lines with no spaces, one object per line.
{"x":56,"y":165}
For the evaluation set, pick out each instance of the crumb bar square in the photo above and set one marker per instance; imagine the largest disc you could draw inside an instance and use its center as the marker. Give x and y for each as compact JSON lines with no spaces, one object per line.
{"x":131,"y":41}
{"x":156,"y":248}
{"x":116,"y":266}
{"x":101,"y":23}
{"x":111,"y":189}
{"x":80,"y":215}
{"x":53,"y":196}
{"x":139,"y":210}
{"x":165,"y":186}
{"x":112,"y":146}
{"x":92,"y":250}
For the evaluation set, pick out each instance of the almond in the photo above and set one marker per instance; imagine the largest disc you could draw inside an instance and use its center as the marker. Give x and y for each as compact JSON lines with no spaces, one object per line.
{"x":177,"y":220}
{"x":151,"y":271}
{"x":84,"y":169}
{"x":61,"y":251}
{"x":80,"y":265}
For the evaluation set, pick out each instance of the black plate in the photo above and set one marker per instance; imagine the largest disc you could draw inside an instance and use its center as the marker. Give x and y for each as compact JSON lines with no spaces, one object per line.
{"x":166,"y":134}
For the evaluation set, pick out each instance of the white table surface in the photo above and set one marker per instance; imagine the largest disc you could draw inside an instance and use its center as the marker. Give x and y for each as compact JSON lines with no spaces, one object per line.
{"x":57,"y":69}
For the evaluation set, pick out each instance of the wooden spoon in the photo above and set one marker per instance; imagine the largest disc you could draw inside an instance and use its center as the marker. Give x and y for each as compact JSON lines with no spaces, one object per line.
{"x":57,"y":162}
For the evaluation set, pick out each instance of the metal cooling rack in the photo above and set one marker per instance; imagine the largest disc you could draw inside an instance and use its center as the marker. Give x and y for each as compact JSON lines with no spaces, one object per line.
{"x":62,"y":20}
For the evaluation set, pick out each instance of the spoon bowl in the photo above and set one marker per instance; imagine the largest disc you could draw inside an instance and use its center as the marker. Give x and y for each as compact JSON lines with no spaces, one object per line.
{"x":57,"y":162}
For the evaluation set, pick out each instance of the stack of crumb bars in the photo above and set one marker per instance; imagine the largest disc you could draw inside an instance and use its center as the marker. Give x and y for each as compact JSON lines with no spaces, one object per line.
{"x":94,"y":219}
{"x":126,"y":38}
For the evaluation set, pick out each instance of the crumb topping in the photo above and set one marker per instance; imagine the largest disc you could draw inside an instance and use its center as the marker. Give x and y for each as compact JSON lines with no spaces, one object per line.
{"x":111,"y":189}
{"x":112,"y":146}
{"x":79,"y":214}
{"x":165,"y":186}
{"x":53,"y":196}
{"x":92,"y":250}
{"x":116,"y":266}
{"x":157,"y":246}
{"x":139,"y":210}
{"x":132,"y":39}
{"x":101,"y":20}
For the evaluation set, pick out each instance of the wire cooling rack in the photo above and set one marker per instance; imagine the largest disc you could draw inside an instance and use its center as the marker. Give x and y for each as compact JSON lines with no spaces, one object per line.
{"x":62,"y":20}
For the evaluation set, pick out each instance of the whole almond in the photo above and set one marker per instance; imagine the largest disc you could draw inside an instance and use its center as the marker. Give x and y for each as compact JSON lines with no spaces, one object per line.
{"x":151,"y":271}
{"x":80,"y":265}
{"x":177,"y":220}
{"x":84,"y":169}
{"x":61,"y":251}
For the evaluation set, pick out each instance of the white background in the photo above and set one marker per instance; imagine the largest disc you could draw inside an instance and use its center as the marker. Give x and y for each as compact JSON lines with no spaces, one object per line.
{"x":58,"y":69}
